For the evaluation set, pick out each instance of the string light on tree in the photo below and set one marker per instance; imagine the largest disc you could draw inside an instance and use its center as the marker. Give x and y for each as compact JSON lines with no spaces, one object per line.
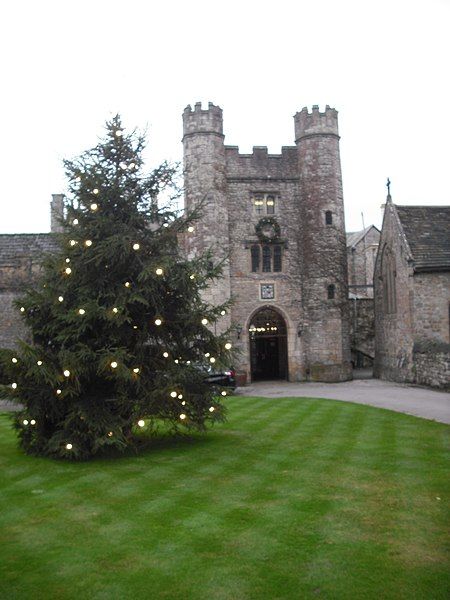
{"x":110,"y":433}
{"x":14,"y":386}
{"x":58,"y":392}
{"x":127,"y":284}
{"x":32,"y":422}
{"x":173,"y":394}
{"x":204,"y":321}
{"x":39,"y":363}
{"x":69,"y":446}
{"x":25,"y":422}
{"x":95,"y":191}
{"x":136,"y":246}
{"x":180,"y":396}
{"x":141,"y":423}
{"x":113,"y":364}
{"x":66,"y":373}
{"x":88,"y":243}
{"x":182,"y":416}
{"x":73,"y":242}
{"x":94,"y":206}
{"x":223,"y":312}
{"x":14,"y":359}
{"x":115,"y":310}
{"x":211,"y":409}
{"x":192,"y":276}
{"x":67,"y":270}
{"x":159,"y":271}
{"x":136,"y":370}
{"x":81,"y":311}
{"x":61,"y":298}
{"x":67,"y":260}
{"x":207,"y":355}
{"x":75,"y":222}
{"x":223,"y":392}
{"x":158,"y":322}
{"x":212,"y":359}
{"x":183,"y":403}
{"x":190,"y":229}
{"x":228,"y":346}
{"x":166,"y":354}
{"x":119,"y":133}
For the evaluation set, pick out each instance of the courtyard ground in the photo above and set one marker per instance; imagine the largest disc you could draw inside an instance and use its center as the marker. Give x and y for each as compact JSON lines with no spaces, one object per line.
{"x":408,"y":399}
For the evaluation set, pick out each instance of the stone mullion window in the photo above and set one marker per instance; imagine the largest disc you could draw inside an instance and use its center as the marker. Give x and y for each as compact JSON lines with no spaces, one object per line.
{"x":266,"y":259}
{"x":256,"y":257}
{"x":277,"y":258}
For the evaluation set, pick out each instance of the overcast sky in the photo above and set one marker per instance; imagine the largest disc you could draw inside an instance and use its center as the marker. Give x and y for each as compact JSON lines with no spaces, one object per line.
{"x":67,"y":66}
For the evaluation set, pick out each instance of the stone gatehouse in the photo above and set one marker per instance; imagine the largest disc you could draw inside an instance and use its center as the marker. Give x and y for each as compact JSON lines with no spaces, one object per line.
{"x":278,"y":222}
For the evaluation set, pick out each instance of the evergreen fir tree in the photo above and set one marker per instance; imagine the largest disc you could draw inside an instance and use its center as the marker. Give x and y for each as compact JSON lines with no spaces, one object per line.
{"x":120,"y":333}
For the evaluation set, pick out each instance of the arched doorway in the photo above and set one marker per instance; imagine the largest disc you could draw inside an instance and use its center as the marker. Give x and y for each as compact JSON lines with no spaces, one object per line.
{"x":268,"y":345}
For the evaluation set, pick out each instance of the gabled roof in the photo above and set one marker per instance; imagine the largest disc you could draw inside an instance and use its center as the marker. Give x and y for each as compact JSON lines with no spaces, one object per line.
{"x":354,"y":237}
{"x":427,"y":230}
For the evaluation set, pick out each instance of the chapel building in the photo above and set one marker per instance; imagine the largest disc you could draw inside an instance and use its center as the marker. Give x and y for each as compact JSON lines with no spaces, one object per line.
{"x":277,"y":220}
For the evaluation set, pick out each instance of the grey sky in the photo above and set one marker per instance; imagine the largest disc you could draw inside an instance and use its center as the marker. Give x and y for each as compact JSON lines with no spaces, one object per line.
{"x":68,"y":66}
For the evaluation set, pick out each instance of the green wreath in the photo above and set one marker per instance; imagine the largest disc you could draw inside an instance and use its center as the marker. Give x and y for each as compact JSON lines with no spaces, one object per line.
{"x":265,"y":223}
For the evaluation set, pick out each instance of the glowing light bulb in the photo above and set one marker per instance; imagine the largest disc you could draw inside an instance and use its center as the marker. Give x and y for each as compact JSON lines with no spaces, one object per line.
{"x":135,"y":327}
{"x":173,"y":394}
{"x":192,"y":276}
{"x":67,"y":373}
{"x":72,"y":242}
{"x":14,"y":359}
{"x":95,"y":191}
{"x":228,"y":346}
{"x":190,"y":229}
{"x":110,"y":433}
{"x":141,"y":423}
{"x":69,"y":446}
{"x":223,"y":392}
{"x":211,"y":409}
{"x":132,"y":166}
{"x":61,"y":298}
{"x":94,"y":206}
{"x":182,"y":416}
{"x":39,"y":363}
{"x":22,"y":309}
{"x":136,"y":370}
{"x":159,"y":271}
{"x":204,"y":321}
{"x":183,"y":403}
{"x":176,"y":361}
{"x":123,"y":166}
{"x":67,"y":260}
{"x":166,"y":354}
{"x":115,"y":310}
{"x":212,"y":359}
{"x":158,"y":322}
{"x":136,"y":246}
{"x":58,"y":392}
{"x":81,"y":311}
{"x":119,"y":133}
{"x":75,"y":222}
{"x":25,"y":422}
{"x":180,"y":396}
{"x":78,"y":179}
{"x":113,"y":364}
{"x":68,"y":271}
{"x":88,"y":243}
{"x":207,"y":355}
{"x":14,"y":386}
{"x":165,"y":224}
{"x":32,"y":422}
{"x":127,"y":284}
{"x":222,"y":312}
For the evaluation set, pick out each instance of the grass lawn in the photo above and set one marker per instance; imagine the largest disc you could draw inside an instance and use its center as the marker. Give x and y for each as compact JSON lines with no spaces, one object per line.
{"x":291,"y":498}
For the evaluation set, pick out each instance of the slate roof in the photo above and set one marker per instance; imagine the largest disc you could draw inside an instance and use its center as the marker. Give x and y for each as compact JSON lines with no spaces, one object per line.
{"x":427,"y":230}
{"x":354,"y":237}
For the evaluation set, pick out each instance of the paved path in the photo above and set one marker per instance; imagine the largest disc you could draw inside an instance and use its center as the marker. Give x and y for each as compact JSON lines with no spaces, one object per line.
{"x":412,"y":400}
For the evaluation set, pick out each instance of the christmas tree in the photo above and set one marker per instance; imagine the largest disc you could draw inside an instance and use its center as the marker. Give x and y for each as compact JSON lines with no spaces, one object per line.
{"x":121,"y":336}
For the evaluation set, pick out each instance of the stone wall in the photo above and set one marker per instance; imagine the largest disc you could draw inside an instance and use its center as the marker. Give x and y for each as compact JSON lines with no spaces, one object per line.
{"x":361,"y":264}
{"x":362,"y":331}
{"x":431,"y":303}
{"x":432,"y":364}
{"x":20,"y":264}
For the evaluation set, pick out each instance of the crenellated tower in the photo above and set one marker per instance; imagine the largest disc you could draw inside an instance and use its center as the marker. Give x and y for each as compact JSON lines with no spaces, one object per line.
{"x":323,"y":245}
{"x":206,"y":183}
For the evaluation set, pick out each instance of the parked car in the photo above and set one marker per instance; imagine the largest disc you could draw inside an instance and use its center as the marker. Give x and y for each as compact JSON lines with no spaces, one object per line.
{"x":225,"y":378}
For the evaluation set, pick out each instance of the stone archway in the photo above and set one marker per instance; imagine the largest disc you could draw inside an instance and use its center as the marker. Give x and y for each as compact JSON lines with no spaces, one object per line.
{"x":268,"y":345}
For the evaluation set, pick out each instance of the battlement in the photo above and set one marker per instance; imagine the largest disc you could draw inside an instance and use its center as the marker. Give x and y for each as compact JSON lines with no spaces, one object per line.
{"x":202,"y":121}
{"x":262,"y":164}
{"x":316,"y":122}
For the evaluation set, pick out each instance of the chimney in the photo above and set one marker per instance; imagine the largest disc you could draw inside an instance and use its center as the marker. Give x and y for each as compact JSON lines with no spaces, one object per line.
{"x":56,"y":213}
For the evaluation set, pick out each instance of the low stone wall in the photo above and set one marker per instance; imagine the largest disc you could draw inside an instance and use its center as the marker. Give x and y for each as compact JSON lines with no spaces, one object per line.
{"x":431,"y":365}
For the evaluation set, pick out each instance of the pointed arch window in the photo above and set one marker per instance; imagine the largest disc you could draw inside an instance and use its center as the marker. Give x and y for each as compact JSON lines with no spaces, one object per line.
{"x":389,"y":275}
{"x":256,"y":257}
{"x":266,"y":259}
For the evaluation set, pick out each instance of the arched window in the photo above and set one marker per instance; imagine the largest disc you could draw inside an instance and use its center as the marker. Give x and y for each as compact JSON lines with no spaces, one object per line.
{"x":266,"y":259}
{"x":331,"y":291}
{"x":255,"y":252}
{"x":388,"y":274}
{"x":328,"y":217}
